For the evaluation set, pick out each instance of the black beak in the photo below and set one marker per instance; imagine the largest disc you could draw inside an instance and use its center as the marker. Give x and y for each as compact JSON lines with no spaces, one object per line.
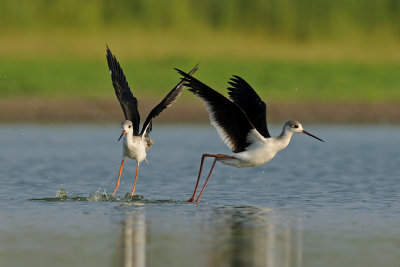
{"x":307,"y":133}
{"x":122,"y":134}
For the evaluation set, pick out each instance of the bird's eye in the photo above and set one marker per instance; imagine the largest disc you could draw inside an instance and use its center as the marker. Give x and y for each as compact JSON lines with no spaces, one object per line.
{"x":296,"y":126}
{"x":129,"y":126}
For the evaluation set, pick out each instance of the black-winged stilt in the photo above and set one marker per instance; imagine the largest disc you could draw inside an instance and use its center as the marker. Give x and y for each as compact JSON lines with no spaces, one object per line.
{"x":136,"y":143}
{"x":241,"y":123}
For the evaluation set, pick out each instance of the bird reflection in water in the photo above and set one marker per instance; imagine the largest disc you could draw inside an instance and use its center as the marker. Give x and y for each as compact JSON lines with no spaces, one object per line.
{"x":132,"y":250}
{"x":249,"y":236}
{"x":226,"y":236}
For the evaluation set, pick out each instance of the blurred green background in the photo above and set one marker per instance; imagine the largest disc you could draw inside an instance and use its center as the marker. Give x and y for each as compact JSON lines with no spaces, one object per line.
{"x":313,"y":52}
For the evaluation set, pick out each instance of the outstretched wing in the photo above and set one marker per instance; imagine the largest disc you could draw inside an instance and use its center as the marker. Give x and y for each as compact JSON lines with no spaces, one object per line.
{"x":227,"y":117}
{"x":165,"y":103}
{"x":129,"y":103}
{"x":244,"y":95}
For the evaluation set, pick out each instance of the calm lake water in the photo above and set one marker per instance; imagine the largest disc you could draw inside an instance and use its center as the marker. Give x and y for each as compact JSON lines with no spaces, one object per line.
{"x":315,"y":204}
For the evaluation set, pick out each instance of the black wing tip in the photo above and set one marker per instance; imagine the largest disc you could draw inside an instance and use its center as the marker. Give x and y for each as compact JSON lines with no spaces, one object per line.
{"x":115,"y":68}
{"x":111,"y":59}
{"x":237,"y":80}
{"x":181,"y":72}
{"x":234,"y":82}
{"x":195,"y":68}
{"x":187,"y":76}
{"x":234,"y":78}
{"x":109,"y":55}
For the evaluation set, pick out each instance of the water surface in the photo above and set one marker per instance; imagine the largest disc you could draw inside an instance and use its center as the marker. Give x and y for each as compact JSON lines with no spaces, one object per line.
{"x":316,"y":204}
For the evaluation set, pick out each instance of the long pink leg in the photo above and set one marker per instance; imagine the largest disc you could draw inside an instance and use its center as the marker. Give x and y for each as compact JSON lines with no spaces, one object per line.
{"x":212,"y":167}
{"x":134,"y":185}
{"x":198,"y":178}
{"x":119,"y":176}
{"x":208,"y":177}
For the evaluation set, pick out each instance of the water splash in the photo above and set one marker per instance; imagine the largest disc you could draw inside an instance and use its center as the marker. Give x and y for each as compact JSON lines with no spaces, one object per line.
{"x":98,"y":196}
{"x":61,"y":193}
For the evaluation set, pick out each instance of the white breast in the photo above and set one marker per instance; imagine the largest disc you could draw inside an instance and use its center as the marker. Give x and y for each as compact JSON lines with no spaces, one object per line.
{"x":135,"y":149}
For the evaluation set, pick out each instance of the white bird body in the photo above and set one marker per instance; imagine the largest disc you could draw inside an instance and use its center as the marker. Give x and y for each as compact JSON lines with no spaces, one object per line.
{"x":134,"y":148}
{"x":261,"y":149}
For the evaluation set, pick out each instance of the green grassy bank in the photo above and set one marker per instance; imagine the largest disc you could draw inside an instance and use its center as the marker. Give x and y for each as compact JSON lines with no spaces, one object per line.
{"x":306,"y":82}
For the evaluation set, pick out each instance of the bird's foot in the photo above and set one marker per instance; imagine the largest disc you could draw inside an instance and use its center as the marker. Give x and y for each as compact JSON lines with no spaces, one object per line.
{"x":190,"y":199}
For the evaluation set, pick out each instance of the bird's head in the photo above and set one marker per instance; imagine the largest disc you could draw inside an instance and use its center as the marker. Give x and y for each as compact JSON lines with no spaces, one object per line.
{"x":127,"y":127}
{"x":296,"y":127}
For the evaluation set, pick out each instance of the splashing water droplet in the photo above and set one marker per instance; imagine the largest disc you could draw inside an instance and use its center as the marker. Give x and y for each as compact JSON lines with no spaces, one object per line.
{"x":61,"y":193}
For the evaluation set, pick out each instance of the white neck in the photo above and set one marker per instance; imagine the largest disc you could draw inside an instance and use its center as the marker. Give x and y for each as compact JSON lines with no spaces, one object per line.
{"x":284,"y":138}
{"x":129,"y":137}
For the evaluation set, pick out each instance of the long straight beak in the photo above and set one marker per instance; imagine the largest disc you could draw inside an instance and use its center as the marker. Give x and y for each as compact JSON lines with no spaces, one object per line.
{"x":307,"y":133}
{"x":123,"y":132}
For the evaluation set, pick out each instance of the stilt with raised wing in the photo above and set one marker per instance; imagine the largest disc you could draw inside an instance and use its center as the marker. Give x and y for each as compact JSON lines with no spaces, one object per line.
{"x":135,"y":142}
{"x":241,"y":123}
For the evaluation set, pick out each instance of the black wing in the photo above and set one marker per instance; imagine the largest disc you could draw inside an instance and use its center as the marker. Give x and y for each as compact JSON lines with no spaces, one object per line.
{"x":128,"y":102}
{"x":244,"y":95}
{"x":165,"y":103}
{"x":226,"y":116}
